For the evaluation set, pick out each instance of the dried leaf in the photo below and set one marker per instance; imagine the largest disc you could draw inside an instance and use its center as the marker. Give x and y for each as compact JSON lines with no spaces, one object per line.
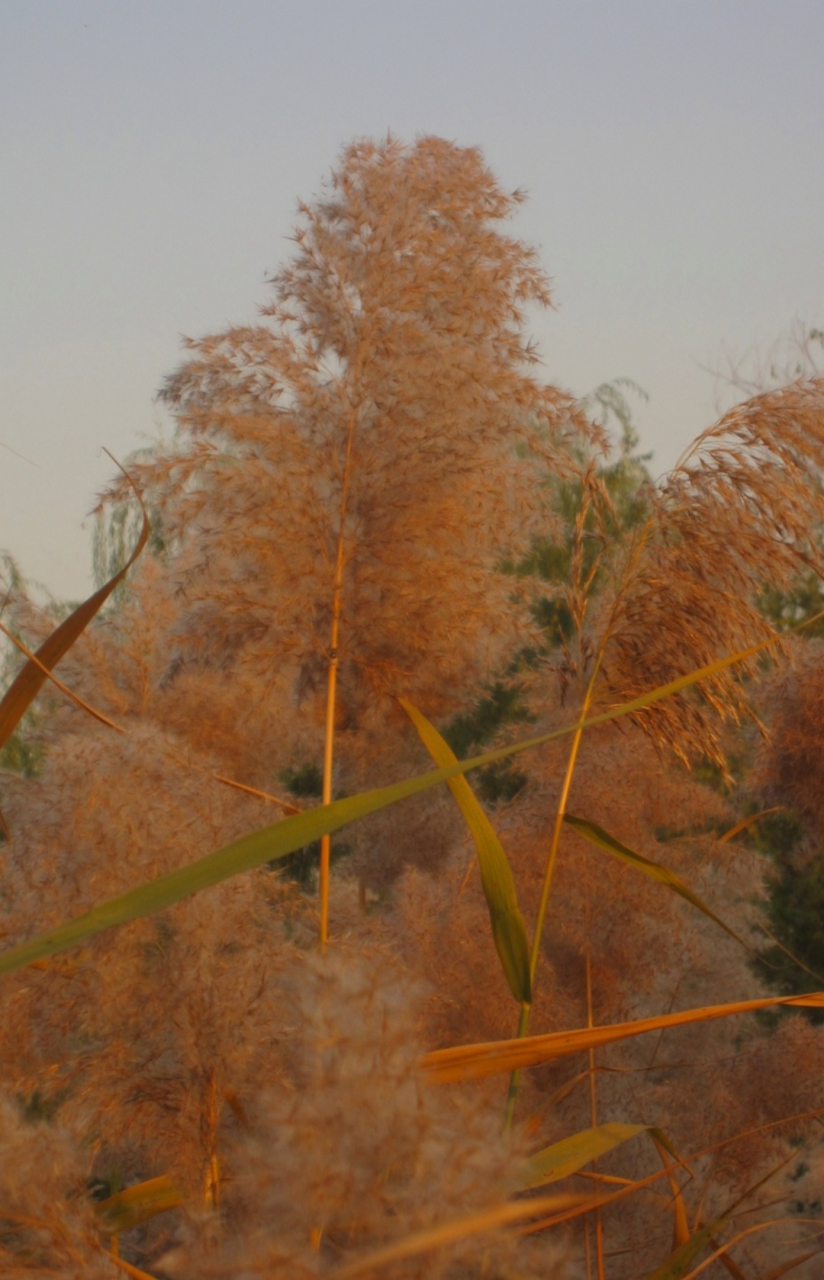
{"x":471,"y":1062}
{"x":33,"y":674}
{"x":447,"y":1233}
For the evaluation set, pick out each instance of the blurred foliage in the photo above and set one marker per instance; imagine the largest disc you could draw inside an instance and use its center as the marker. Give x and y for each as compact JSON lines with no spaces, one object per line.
{"x":21,"y":756}
{"x":625,"y":476}
{"x":117,"y":528}
{"x":786,"y":609}
{"x":793,"y":907}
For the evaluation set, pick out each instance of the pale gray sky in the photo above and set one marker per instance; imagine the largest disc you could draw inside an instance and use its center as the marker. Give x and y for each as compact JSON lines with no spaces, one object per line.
{"x":151,"y":155}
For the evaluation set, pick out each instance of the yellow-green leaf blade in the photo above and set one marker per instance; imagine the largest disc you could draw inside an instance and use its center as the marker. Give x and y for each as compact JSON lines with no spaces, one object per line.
{"x":508,"y":929}
{"x":653,"y":870}
{"x":294,"y":832}
{"x":247,"y":853}
{"x":136,"y":1204}
{"x":571,"y":1154}
{"x":681,"y":1259}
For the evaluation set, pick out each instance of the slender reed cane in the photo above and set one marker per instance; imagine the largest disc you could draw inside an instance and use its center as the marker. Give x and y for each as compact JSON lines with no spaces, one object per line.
{"x":593,"y":1099}
{"x":331,"y":689}
{"x":552,"y":857}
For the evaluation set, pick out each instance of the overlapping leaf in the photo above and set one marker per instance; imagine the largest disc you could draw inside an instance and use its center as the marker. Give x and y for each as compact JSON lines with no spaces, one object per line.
{"x":472,"y":1061}
{"x":138,"y":1203}
{"x":447,"y":1233}
{"x":681,"y":1259}
{"x":508,"y":929}
{"x":571,"y":1154}
{"x":301,"y":829}
{"x":653,"y":870}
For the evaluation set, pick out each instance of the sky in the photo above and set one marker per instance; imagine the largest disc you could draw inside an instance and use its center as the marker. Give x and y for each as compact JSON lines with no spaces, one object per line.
{"x":152,"y":154}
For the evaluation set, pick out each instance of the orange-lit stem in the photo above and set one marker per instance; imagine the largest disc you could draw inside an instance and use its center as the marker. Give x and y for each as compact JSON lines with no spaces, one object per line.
{"x":331,"y":690}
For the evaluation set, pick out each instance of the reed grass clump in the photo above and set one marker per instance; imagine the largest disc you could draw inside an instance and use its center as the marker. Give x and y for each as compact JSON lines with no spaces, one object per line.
{"x":352,"y":1150}
{"x":48,"y":1225}
{"x":528,"y":1042}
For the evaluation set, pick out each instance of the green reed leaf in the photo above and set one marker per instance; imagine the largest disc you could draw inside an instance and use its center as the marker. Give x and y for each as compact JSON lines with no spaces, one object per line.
{"x":571,"y":1154}
{"x":679,"y":1262}
{"x":653,"y":870}
{"x":293,"y":833}
{"x":128,"y":1208}
{"x":508,"y":929}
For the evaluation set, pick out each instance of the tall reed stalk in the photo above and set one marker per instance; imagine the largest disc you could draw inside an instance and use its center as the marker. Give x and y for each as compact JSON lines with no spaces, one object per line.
{"x":331,"y":688}
{"x":593,"y":1095}
{"x":579,"y":598}
{"x":549,"y":871}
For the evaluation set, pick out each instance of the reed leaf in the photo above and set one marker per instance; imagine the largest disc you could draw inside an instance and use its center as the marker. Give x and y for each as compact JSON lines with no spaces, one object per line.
{"x":508,"y":929}
{"x":571,"y":1154}
{"x":784,"y":1268}
{"x":276,"y":841}
{"x":35,"y":671}
{"x":654,"y":870}
{"x":472,"y":1061}
{"x":720,"y":1251}
{"x":64,"y":689}
{"x":680,"y":1222}
{"x":747,"y":822}
{"x":446,"y":1233}
{"x":266,"y":845}
{"x":678,"y":1264}
{"x":136,"y":1204}
{"x":675,"y":1268}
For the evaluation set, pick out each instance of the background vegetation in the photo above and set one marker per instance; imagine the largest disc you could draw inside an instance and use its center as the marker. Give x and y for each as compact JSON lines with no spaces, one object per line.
{"x":378,"y":544}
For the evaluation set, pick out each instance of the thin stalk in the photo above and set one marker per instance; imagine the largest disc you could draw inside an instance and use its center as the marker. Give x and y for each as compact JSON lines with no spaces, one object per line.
{"x":331,"y":689}
{"x":512,"y":1092}
{"x":558,"y":826}
{"x":523,"y":1024}
{"x":211,"y":1120}
{"x":552,"y":857}
{"x":593,"y":1102}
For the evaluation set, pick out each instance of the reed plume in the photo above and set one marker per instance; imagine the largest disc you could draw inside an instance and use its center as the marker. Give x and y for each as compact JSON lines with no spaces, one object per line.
{"x":349,"y":473}
{"x":350,"y":481}
{"x":740,"y":512}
